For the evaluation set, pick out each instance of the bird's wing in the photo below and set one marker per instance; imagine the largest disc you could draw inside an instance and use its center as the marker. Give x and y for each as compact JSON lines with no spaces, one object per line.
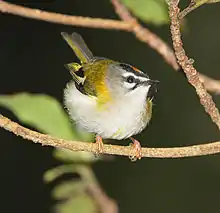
{"x":76,"y":71}
{"x":78,"y":45}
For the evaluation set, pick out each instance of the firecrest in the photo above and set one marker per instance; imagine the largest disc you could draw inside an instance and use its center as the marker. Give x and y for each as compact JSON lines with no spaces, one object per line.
{"x":106,"y":97}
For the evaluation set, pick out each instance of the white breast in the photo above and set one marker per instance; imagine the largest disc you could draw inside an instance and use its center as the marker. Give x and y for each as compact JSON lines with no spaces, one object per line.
{"x":119,"y":119}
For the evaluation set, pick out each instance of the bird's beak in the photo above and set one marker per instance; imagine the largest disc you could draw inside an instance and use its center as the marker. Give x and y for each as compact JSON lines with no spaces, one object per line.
{"x":153,"y":88}
{"x":152,"y":82}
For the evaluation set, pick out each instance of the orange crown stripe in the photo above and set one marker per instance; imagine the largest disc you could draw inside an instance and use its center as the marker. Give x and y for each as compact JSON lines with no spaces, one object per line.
{"x":135,"y":69}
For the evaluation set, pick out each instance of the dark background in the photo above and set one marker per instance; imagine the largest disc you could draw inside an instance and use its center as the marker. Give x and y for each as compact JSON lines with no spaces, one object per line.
{"x":32,"y":56}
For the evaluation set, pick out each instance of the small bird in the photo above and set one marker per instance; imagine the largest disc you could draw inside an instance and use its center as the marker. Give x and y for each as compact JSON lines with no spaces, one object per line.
{"x":106,"y":97}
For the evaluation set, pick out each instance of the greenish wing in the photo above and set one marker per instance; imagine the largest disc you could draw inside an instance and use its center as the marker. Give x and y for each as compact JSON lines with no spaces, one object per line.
{"x":82,"y":84}
{"x":78,"y":45}
{"x":73,"y":68}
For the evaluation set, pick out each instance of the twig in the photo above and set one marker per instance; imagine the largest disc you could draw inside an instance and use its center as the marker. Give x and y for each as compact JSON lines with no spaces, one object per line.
{"x":26,"y":12}
{"x":46,"y":140}
{"x":131,"y":26}
{"x":145,"y":35}
{"x":187,"y":64}
{"x":106,"y":204}
{"x":192,"y":6}
{"x":159,"y":45}
{"x":210,"y":84}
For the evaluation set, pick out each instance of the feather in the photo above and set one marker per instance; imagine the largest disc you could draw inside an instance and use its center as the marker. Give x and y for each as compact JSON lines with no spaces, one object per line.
{"x":73,"y":69}
{"x":78,"y":45}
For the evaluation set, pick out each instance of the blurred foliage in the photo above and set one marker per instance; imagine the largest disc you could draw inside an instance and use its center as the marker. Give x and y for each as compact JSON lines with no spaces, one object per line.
{"x":81,"y":203}
{"x":150,"y":11}
{"x":209,"y":1}
{"x":68,"y":156}
{"x":40,"y":111}
{"x":68,"y":188}
{"x":47,"y":115}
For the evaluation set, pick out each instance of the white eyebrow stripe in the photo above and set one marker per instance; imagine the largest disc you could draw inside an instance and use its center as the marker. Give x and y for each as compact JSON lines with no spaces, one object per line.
{"x":135,"y":76}
{"x":142,"y":78}
{"x":129,"y":74}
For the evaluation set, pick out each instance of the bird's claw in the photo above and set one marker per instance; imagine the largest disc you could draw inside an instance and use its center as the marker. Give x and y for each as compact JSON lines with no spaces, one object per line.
{"x":136,"y":150}
{"x":99,"y":144}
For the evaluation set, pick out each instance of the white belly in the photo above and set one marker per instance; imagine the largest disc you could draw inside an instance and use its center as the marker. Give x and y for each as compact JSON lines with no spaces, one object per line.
{"x":121,"y":119}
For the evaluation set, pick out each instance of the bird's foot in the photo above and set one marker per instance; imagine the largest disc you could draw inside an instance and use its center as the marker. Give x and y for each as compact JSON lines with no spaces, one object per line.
{"x":137,"y":150}
{"x":99,"y":144}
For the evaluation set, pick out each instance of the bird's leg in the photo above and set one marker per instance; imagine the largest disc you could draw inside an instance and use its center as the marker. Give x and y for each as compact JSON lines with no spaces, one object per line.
{"x":137,"y":148}
{"x":99,"y":144}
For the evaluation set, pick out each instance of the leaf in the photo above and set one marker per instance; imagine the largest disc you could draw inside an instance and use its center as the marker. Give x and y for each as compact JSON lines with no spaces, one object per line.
{"x":77,"y":157}
{"x":213,"y":1}
{"x":47,"y":115}
{"x":68,"y":189}
{"x":41,"y":111}
{"x":56,"y":172}
{"x":152,"y":11}
{"x":77,"y":204}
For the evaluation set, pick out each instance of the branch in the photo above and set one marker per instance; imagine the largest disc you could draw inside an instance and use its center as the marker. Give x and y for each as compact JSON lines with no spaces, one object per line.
{"x":106,"y":204}
{"x":192,"y":6}
{"x":159,"y":45}
{"x":187,"y":65}
{"x":145,"y":35}
{"x":46,"y":140}
{"x":130,"y":25}
{"x":210,"y":84}
{"x":63,"y":19}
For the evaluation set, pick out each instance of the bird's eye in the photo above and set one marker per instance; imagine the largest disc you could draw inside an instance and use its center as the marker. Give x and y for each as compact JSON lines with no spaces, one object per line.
{"x":130,"y":79}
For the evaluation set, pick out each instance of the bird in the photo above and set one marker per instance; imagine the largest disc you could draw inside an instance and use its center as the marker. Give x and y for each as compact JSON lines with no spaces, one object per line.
{"x":111,"y":99}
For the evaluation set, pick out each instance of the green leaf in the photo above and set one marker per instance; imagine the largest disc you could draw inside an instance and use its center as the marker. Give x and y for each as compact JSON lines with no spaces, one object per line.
{"x":213,"y":1}
{"x":77,"y":204}
{"x":41,"y":111}
{"x":47,"y":115}
{"x":56,"y":172}
{"x":76,"y":157}
{"x":68,"y":189}
{"x":152,"y":11}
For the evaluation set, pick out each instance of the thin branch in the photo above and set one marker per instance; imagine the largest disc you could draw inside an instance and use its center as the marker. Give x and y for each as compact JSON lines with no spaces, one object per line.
{"x":145,"y":35}
{"x":26,"y":12}
{"x":210,"y":84}
{"x":192,"y":6}
{"x":130,"y":25}
{"x":159,"y":45}
{"x":187,"y":64}
{"x":47,"y":140}
{"x":106,"y":204}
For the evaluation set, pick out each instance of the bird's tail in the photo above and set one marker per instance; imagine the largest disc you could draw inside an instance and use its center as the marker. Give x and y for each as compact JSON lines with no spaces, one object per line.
{"x":78,"y":45}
